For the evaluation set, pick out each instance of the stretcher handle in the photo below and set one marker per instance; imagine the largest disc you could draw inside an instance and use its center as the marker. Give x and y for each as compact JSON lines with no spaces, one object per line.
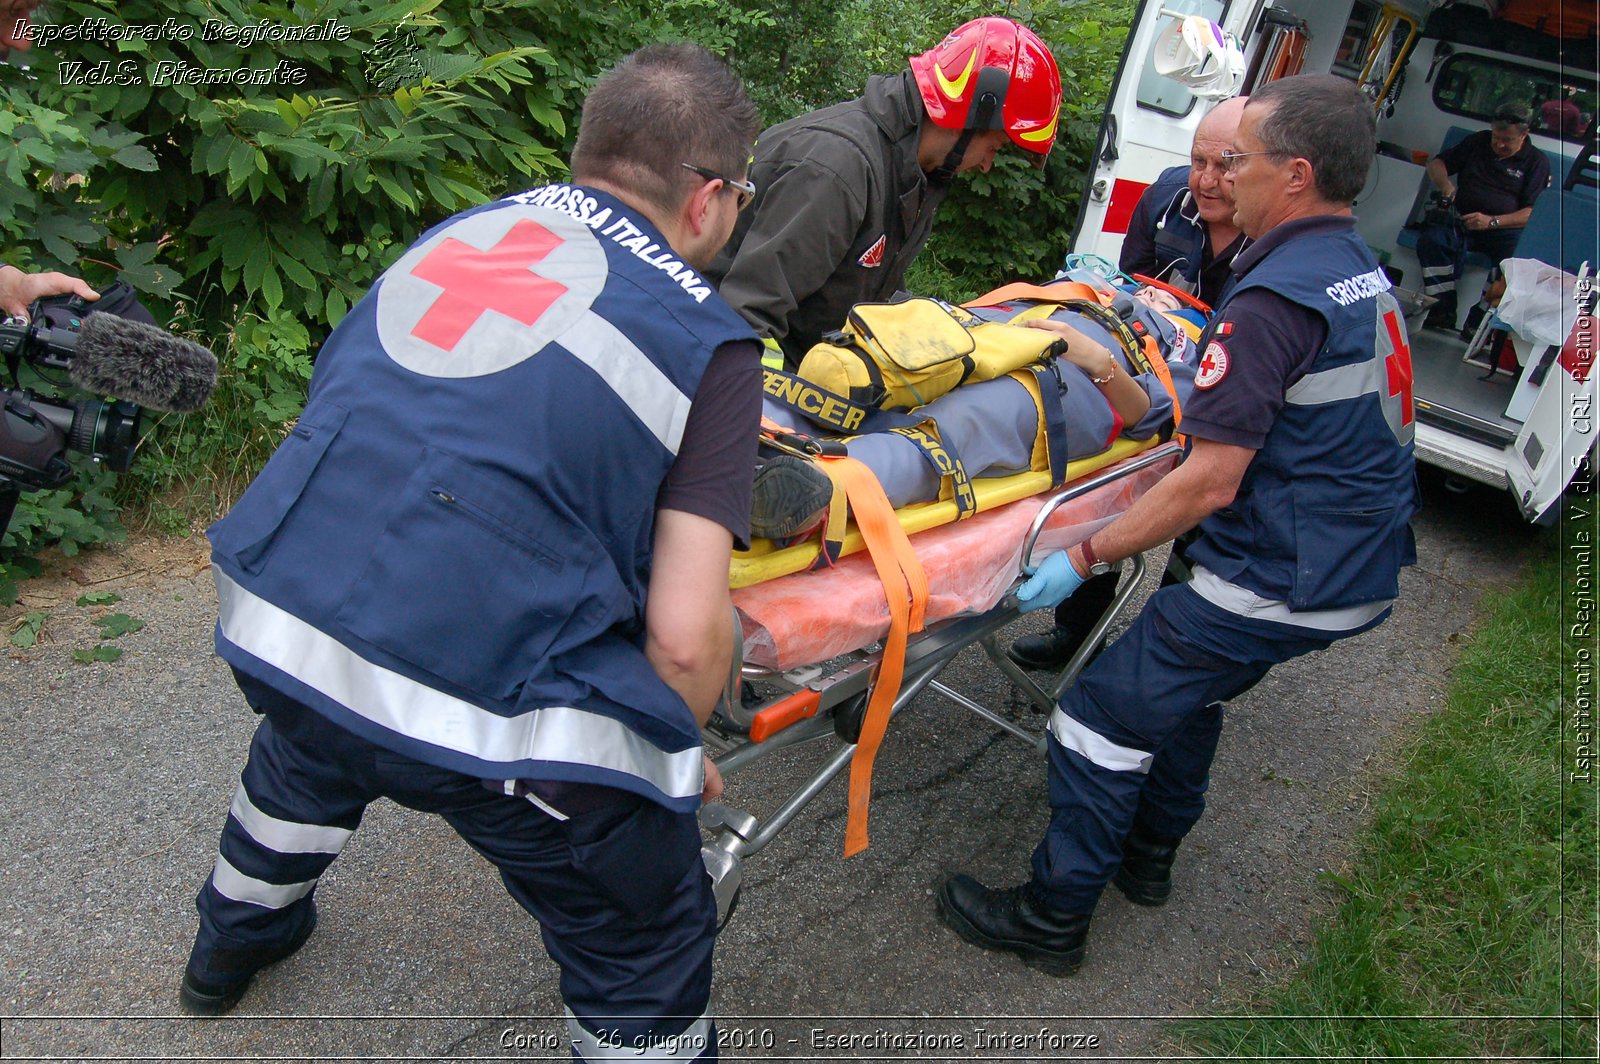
{"x":780,"y":715}
{"x":1122,"y":469}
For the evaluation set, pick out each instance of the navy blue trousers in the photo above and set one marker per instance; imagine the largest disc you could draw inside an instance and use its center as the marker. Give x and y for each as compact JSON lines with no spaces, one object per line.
{"x":1133,"y":739}
{"x":622,"y":898}
{"x":1442,"y":253}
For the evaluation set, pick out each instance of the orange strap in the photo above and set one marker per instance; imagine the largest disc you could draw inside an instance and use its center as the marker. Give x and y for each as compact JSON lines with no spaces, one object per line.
{"x":1158,"y":366}
{"x":905,"y":588}
{"x":1060,"y":292}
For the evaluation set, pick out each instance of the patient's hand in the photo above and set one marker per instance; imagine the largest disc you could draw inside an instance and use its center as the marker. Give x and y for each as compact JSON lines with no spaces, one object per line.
{"x":1081,"y":351}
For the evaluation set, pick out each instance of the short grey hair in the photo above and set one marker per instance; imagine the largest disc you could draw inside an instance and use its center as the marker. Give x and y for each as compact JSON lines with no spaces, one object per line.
{"x":1325,"y":120}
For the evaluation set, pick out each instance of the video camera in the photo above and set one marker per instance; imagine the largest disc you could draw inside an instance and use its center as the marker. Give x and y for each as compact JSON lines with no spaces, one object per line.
{"x":111,"y":347}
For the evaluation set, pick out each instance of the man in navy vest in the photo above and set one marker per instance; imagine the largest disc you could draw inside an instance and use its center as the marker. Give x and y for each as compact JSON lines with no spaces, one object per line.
{"x":486,"y":574}
{"x":1301,"y":481}
{"x":1182,"y":229}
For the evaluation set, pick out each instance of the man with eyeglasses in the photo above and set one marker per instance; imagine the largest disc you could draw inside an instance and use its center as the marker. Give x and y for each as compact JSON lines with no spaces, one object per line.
{"x":847,"y":195}
{"x":1181,"y":232}
{"x":486,"y":575}
{"x":1182,"y":229}
{"x":1300,"y":480}
{"x":1492,"y":178}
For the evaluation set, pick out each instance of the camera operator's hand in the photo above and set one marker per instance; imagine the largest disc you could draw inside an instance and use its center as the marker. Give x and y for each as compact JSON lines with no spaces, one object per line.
{"x":14,"y":18}
{"x":18,"y":290}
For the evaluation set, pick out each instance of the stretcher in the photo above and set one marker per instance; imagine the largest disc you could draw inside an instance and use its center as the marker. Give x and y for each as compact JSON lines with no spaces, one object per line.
{"x":818,"y":647}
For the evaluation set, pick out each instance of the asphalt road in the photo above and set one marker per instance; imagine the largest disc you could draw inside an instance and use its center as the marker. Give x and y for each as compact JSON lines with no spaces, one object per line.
{"x":116,"y":778}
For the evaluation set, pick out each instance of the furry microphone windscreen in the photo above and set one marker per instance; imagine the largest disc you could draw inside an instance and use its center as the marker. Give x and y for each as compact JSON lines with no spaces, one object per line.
{"x":142,"y":364}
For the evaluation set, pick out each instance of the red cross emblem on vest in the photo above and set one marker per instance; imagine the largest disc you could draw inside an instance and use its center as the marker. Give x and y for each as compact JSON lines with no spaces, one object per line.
{"x":498,"y":278}
{"x":1398,"y":366}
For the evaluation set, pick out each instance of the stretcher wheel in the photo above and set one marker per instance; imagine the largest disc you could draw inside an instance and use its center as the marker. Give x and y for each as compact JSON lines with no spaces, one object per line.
{"x":849,"y":717}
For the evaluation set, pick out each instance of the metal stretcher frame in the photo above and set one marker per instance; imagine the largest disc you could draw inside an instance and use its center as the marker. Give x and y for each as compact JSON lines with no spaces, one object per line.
{"x":829,"y":697}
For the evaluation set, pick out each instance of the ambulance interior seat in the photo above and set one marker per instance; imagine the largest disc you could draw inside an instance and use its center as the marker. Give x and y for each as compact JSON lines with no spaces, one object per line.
{"x":1564,"y":228}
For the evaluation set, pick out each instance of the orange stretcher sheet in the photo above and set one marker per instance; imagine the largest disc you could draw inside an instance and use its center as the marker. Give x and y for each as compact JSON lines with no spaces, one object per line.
{"x":807,"y":617}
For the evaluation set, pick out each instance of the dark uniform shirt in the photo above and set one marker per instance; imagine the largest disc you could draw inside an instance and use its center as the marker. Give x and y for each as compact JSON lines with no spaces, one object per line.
{"x":1487,"y":184}
{"x":713,"y":473}
{"x":1266,"y":343}
{"x":842,"y":208}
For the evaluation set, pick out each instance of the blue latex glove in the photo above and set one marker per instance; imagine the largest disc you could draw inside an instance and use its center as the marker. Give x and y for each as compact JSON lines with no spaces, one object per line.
{"x":1050,"y":585}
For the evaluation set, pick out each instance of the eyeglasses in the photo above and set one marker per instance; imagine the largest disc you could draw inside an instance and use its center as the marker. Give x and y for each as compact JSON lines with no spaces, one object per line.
{"x":1230,"y":159}
{"x":745,"y":189}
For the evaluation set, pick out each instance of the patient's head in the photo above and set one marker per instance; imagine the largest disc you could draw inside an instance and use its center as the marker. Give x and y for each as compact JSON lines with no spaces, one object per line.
{"x":1158,"y":298}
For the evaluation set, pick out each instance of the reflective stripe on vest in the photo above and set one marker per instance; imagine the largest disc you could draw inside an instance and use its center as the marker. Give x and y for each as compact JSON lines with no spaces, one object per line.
{"x":601,"y":346}
{"x":406,"y":707}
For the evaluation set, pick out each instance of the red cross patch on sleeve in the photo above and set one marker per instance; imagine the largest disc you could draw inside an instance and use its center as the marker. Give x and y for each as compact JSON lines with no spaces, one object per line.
{"x":1213,"y":365}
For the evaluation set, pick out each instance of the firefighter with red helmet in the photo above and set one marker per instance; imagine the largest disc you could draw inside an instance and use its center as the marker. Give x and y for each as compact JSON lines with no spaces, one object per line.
{"x":847,"y":194}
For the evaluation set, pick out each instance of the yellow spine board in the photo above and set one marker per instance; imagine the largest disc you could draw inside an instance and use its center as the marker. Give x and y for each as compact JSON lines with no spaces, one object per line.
{"x":767,"y":561}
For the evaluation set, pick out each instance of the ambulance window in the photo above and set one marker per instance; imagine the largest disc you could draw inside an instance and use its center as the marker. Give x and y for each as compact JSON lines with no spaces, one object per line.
{"x":1561,"y":103}
{"x":1157,"y":92}
{"x":1352,"y":51}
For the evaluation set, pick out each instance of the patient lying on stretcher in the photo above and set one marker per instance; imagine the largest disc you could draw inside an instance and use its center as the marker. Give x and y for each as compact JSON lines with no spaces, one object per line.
{"x":992,"y":428}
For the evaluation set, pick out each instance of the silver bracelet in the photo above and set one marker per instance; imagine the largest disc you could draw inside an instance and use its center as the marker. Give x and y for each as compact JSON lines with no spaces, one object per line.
{"x":1108,"y":378}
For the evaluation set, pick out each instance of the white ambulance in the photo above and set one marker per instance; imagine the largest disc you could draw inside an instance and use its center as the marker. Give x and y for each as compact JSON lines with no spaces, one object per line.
{"x":1436,"y":70}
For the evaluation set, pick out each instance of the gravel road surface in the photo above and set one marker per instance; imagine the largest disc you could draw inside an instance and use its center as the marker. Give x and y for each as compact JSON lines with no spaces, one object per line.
{"x":116,"y":777}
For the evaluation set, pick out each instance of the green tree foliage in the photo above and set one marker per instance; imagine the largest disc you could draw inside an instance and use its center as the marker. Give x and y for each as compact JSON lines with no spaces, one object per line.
{"x":1011,"y":223}
{"x":253,"y":187}
{"x":291,"y":194}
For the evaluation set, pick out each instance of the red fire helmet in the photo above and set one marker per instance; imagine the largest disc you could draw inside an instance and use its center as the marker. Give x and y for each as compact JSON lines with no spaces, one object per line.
{"x":993,"y":57}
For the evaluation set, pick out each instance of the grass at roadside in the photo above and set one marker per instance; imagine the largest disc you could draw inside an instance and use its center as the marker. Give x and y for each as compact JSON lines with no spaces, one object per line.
{"x":1466,"y":925}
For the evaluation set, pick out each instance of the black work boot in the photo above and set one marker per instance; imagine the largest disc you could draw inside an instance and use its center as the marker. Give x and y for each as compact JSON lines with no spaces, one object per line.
{"x":1145,"y":877}
{"x":1045,"y":650}
{"x":1441,"y":317}
{"x":206,"y":991}
{"x":1015,"y":920}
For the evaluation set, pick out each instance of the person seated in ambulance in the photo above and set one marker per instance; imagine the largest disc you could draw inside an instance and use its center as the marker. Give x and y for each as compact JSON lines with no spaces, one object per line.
{"x":992,"y":427}
{"x":1491,"y":178}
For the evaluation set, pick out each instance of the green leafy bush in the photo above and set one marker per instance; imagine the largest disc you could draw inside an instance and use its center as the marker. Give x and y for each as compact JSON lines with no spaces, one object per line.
{"x":252,"y":212}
